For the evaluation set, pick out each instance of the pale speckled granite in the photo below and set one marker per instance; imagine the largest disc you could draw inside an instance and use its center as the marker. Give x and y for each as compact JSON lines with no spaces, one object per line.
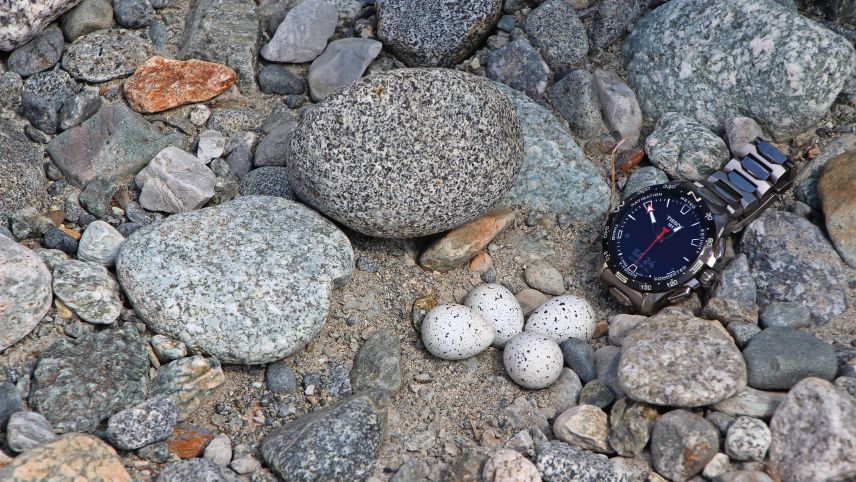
{"x":24,"y":19}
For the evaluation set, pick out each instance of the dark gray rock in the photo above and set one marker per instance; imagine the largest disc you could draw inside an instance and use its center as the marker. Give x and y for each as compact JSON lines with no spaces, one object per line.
{"x":560,"y":462}
{"x":596,"y":393}
{"x":28,"y":430}
{"x":224,"y":32}
{"x":575,"y":97}
{"x":39,"y":54}
{"x":25,"y":295}
{"x":157,"y":453}
{"x":643,"y":177}
{"x":519,"y":66}
{"x":149,"y":422}
{"x":742,"y":332}
{"x":43,"y":96}
{"x":77,"y":108}
{"x":115,"y":361}
{"x":133,"y":13}
{"x":779,"y":357}
{"x":287,"y":286}
{"x":579,"y":356}
{"x":55,"y":238}
{"x":104,"y":55}
{"x":791,"y":260}
{"x":434,"y":33}
{"x":12,"y":87}
{"x":736,"y":283}
{"x":279,"y":378}
{"x":114,"y":143}
{"x":24,"y":19}
{"x":682,"y":443}
{"x":175,"y":181}
{"x":559,"y":34}
{"x":341,"y":441}
{"x":764,"y":88}
{"x":10,"y":403}
{"x":785,"y":313}
{"x":412,"y":189}
{"x":613,"y":18}
{"x":377,"y":364}
{"x":607,"y":360}
{"x":276,"y":79}
{"x":196,"y":470}
{"x":267,"y":181}
{"x":684,"y":148}
{"x":87,"y":17}
{"x":275,"y":148}
{"x":813,"y":431}
{"x":97,"y":196}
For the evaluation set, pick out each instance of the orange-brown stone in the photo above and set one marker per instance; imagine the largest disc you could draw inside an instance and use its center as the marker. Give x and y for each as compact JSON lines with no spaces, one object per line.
{"x":461,"y":244}
{"x":71,"y":458}
{"x":189,"y":441}
{"x":160,"y":84}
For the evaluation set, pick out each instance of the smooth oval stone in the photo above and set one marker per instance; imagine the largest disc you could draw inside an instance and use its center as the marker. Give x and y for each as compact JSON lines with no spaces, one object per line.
{"x":25,"y":291}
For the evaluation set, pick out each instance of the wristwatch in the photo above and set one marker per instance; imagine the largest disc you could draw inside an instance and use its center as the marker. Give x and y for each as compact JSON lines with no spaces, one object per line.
{"x":666,"y":240}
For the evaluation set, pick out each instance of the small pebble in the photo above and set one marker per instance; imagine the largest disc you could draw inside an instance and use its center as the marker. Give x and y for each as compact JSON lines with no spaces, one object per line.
{"x":56,"y":238}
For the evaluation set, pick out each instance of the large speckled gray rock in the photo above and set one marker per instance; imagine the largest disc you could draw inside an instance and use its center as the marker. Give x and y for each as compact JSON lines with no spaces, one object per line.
{"x":104,"y":55}
{"x":25,"y":291}
{"x":575,"y":97}
{"x":434,"y":33}
{"x":196,"y":470}
{"x":144,"y":424}
{"x":368,"y":159}
{"x":264,"y":288}
{"x":694,"y":366}
{"x":684,"y":148}
{"x":791,"y":260}
{"x":558,"y":461}
{"x":79,"y":382}
{"x":341,"y":442}
{"x":114,"y":143}
{"x":225,"y":32}
{"x":556,"y":175}
{"x":24,"y":19}
{"x":89,"y":290}
{"x":715,"y":60}
{"x":814,"y":434}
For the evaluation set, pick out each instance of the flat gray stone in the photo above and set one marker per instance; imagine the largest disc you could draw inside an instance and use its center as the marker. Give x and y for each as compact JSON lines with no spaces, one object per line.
{"x":558,"y":461}
{"x":143,"y":424}
{"x":556,"y":175}
{"x":684,"y":148}
{"x":105,"y":55}
{"x":24,"y":19}
{"x":339,"y":442}
{"x":750,"y":402}
{"x":303,"y":34}
{"x":740,"y":131}
{"x":89,"y":290}
{"x":377,"y":364}
{"x":79,"y":382}
{"x":196,"y":470}
{"x":343,"y":62}
{"x":25,"y":292}
{"x":434,"y":33}
{"x":175,"y":182}
{"x":619,"y":106}
{"x":277,"y":293}
{"x":791,"y":260}
{"x":87,"y":17}
{"x":100,"y":244}
{"x":785,"y":313}
{"x":28,"y":430}
{"x":813,"y":433}
{"x":780,"y":356}
{"x":695,"y":366}
{"x":41,"y":53}
{"x":736,"y":283}
{"x":642,"y":177}
{"x":380,"y":171}
{"x":672,"y":49}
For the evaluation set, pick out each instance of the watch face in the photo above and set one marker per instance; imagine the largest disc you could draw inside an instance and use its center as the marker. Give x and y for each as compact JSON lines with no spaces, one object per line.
{"x":657,"y":237}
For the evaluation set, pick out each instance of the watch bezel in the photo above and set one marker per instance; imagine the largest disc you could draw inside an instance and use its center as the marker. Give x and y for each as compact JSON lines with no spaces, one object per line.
{"x":706,"y":257}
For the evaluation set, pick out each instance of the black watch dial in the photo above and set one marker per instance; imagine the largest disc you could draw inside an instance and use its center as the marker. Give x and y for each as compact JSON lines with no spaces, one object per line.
{"x":657,"y":238}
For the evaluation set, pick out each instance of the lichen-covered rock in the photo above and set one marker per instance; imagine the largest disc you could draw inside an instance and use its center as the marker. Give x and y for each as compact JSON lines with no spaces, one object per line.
{"x":791,"y":260}
{"x":89,"y":290}
{"x":161,"y":84}
{"x":253,"y":301}
{"x":24,"y":184}
{"x":715,"y":60}
{"x":24,"y":19}
{"x":369,"y":160}
{"x":143,"y":424}
{"x":336,"y":443}
{"x":682,"y":443}
{"x":25,"y":291}
{"x":684,"y":148}
{"x":434,"y":33}
{"x":188,"y":381}
{"x":79,"y":382}
{"x":104,"y":55}
{"x":693,"y":366}
{"x":73,"y":457}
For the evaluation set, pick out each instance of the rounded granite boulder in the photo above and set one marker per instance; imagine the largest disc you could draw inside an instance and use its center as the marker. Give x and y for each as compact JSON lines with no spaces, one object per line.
{"x":248,"y":281}
{"x":407,"y":152}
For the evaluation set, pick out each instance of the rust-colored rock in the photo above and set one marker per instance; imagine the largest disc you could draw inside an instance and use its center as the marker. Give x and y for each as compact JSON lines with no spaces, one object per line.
{"x":74,"y":234}
{"x":71,"y":458}
{"x":160,"y":84}
{"x":189,"y":441}
{"x":461,"y":244}
{"x":627,"y":160}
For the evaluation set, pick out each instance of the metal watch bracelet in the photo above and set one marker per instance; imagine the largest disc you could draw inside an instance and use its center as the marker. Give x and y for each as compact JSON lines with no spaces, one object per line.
{"x":745,"y":187}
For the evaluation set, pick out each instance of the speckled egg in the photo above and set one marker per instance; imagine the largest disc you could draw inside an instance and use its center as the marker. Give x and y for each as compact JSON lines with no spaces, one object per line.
{"x":499,"y":307}
{"x":456,"y":332}
{"x":533,"y":360}
{"x":563,"y":317}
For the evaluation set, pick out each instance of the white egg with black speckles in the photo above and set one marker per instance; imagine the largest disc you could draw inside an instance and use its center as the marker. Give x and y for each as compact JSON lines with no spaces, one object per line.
{"x":456,"y":332}
{"x":533,"y":360}
{"x":563,"y":317}
{"x":499,"y":307}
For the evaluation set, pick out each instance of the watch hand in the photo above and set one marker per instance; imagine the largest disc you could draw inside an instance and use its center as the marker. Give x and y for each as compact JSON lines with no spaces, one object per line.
{"x":659,"y":236}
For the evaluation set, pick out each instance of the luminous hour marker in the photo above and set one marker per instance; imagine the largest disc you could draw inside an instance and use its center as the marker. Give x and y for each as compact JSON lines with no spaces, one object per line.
{"x":696,"y":242}
{"x":632,"y":269}
{"x":685,"y":209}
{"x":685,"y":259}
{"x":631,"y":217}
{"x":667,"y":202}
{"x":695,"y":224}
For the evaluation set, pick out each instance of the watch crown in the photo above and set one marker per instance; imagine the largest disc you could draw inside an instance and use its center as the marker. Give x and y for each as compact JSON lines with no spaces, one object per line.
{"x":707,"y":278}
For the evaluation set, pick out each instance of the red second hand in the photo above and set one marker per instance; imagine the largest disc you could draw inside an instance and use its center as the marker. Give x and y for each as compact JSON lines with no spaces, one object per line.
{"x":659,"y":236}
